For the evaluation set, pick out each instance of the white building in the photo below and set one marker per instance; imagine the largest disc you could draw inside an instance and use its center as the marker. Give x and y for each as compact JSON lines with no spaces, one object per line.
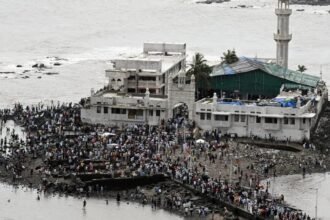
{"x":144,"y":89}
{"x":251,"y":119}
{"x":148,"y":88}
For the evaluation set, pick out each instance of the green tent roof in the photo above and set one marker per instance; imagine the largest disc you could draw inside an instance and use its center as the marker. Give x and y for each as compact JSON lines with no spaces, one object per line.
{"x":247,"y":64}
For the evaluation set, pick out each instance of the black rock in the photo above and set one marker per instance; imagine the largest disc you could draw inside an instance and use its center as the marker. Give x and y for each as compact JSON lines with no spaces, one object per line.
{"x":41,"y":65}
{"x":51,"y":73}
{"x":19,"y":66}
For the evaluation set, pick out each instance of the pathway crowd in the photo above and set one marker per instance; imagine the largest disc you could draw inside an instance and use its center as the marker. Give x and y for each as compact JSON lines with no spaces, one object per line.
{"x":209,"y":162}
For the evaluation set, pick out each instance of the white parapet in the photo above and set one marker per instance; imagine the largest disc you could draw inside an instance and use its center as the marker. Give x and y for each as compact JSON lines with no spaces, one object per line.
{"x":138,"y":64}
{"x":164,"y":48}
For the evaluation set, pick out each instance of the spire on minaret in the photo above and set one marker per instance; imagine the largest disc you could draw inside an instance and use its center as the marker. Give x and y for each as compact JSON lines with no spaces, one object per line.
{"x":282,"y":36}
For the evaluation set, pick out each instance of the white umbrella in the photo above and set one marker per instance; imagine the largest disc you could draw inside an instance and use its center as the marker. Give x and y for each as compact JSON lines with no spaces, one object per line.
{"x":200,"y":141}
{"x":105,"y":134}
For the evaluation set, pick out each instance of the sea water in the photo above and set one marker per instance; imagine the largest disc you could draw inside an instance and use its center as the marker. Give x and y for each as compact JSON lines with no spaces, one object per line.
{"x":85,"y":35}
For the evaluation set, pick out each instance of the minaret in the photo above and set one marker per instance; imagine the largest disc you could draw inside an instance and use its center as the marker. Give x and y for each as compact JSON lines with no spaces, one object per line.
{"x":282,"y":37}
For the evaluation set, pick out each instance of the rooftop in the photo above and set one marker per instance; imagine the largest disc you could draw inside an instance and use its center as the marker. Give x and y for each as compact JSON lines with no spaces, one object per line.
{"x":283,"y":100}
{"x":156,"y":57}
{"x":151,"y":63}
{"x":248,"y":64}
{"x":110,"y":94}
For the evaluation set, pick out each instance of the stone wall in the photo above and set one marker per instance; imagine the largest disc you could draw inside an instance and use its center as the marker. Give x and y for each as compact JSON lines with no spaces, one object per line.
{"x":184,"y":93}
{"x":127,"y":183}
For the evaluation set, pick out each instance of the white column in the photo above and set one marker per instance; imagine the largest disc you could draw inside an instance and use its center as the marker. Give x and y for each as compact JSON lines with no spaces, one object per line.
{"x":282,"y":36}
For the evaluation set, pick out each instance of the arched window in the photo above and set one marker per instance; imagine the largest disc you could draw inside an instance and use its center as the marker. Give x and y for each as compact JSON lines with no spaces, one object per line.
{"x":119,"y":82}
{"x":113,"y":83}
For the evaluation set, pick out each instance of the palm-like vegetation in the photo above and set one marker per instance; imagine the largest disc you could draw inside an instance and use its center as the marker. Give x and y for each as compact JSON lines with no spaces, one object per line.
{"x":229,"y":57}
{"x":202,"y":71}
{"x":301,"y":68}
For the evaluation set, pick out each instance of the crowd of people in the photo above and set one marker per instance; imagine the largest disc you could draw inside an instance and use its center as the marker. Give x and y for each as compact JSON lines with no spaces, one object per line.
{"x":69,"y":147}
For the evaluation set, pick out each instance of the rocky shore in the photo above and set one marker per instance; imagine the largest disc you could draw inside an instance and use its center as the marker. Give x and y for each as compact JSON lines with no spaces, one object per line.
{"x":212,"y":1}
{"x":310,"y":2}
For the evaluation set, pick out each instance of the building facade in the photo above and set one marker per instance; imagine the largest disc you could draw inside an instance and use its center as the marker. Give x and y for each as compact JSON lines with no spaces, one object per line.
{"x":130,"y":98}
{"x":145,"y":89}
{"x":253,"y":97}
{"x":263,"y":119}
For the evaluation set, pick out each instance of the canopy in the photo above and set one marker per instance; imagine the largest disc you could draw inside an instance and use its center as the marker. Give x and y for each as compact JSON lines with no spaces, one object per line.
{"x":105,"y":134}
{"x":200,"y":141}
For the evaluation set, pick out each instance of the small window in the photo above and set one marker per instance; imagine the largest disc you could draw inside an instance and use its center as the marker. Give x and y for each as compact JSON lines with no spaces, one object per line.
{"x":292,"y":121}
{"x":115,"y":110}
{"x":304,"y":120}
{"x":236,"y":118}
{"x":151,"y":112}
{"x":221,"y":117}
{"x":131,"y":113}
{"x":243,"y":118}
{"x":105,"y":110}
{"x":157,"y":113}
{"x":202,"y":116}
{"x":258,"y":119}
{"x":208,"y":116}
{"x":98,"y":109}
{"x":271,"y":120}
{"x":118,"y":111}
{"x":286,"y":121}
{"x":139,"y":112}
{"x":268,"y":120}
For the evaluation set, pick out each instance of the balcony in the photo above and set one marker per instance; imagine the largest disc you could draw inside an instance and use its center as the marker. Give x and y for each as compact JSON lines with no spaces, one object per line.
{"x":283,"y":11}
{"x":280,"y":37}
{"x":145,"y":84}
